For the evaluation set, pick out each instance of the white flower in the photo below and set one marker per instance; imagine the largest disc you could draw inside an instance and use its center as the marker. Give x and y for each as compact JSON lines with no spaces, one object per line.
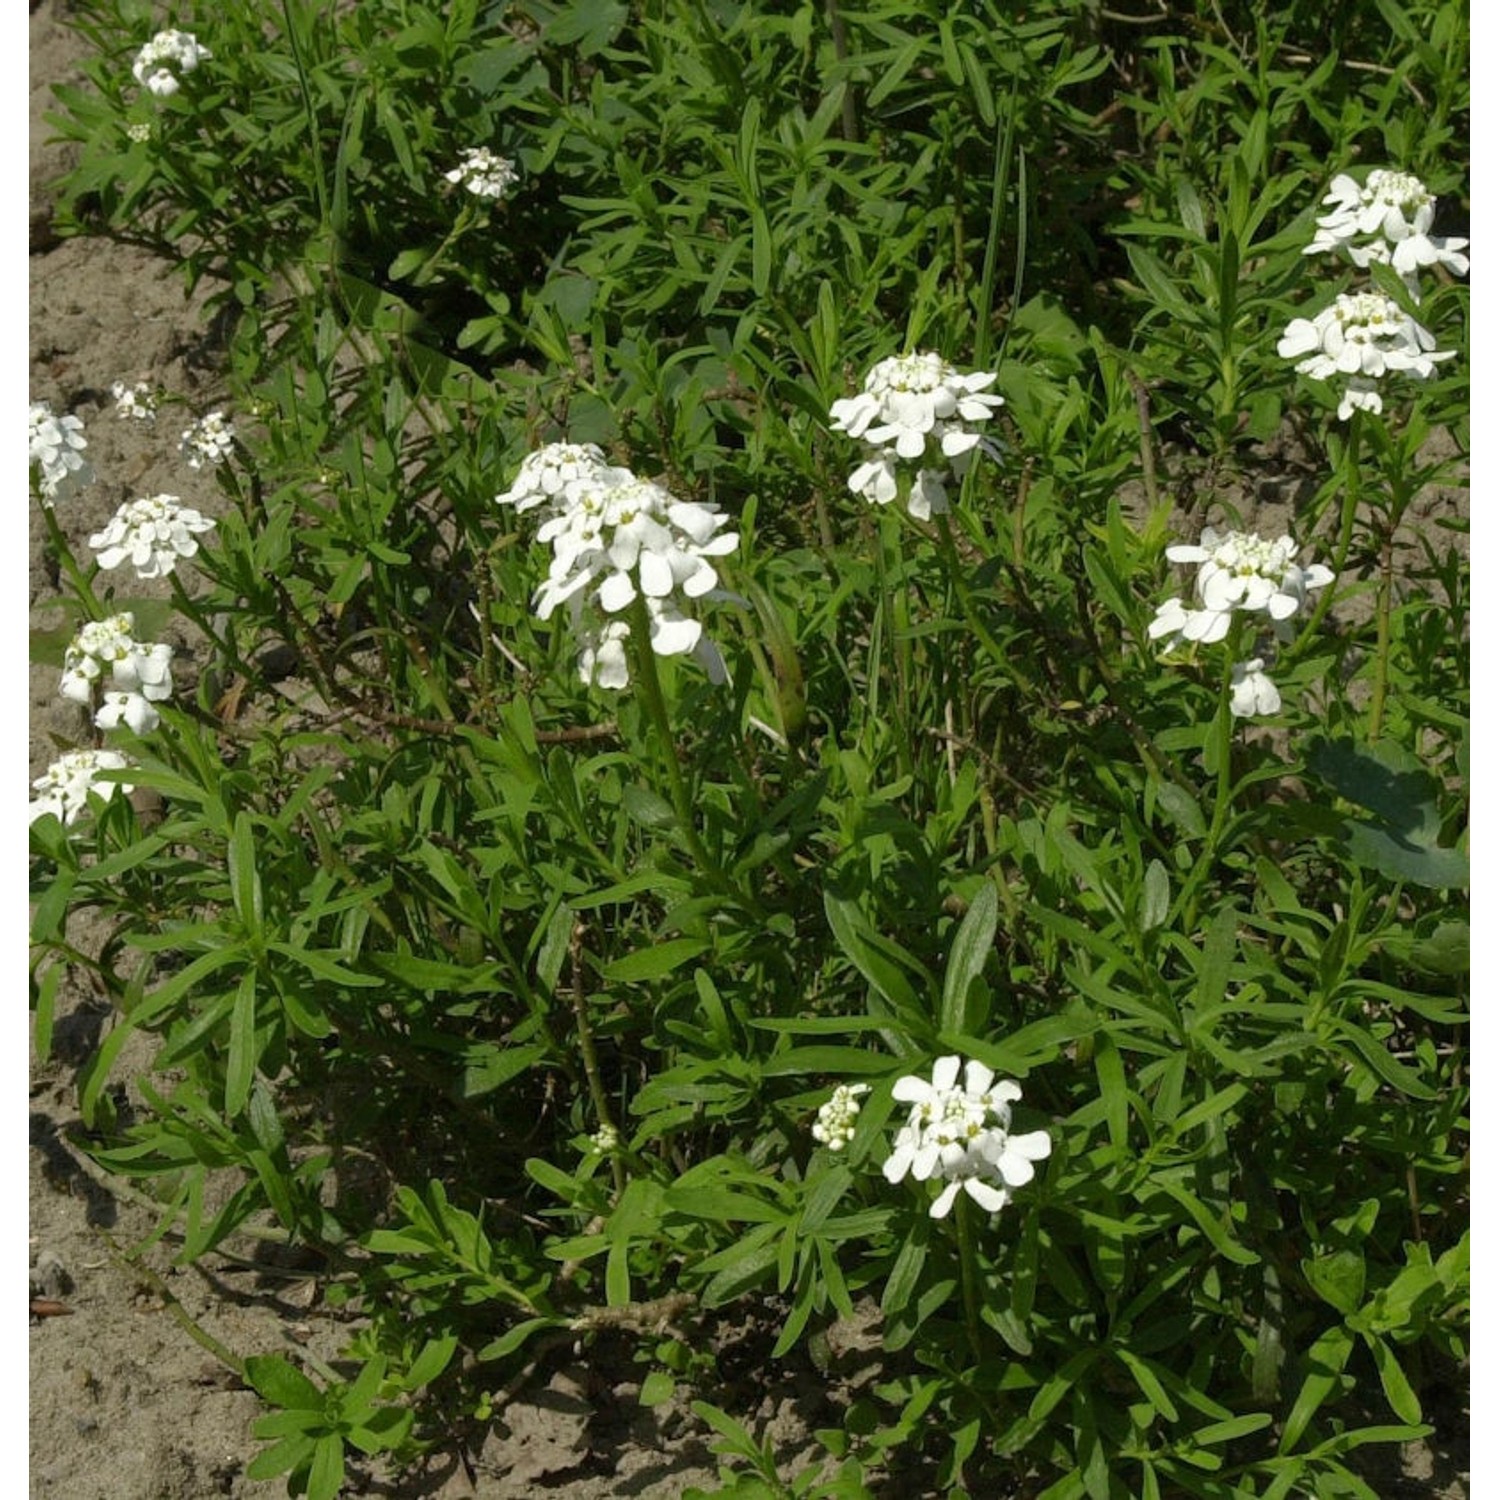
{"x":834,"y":1126}
{"x":963,"y":1135}
{"x":1386,"y":221}
{"x":139,"y":675}
{"x":140,"y":132}
{"x":210,"y":440}
{"x":68,"y":781}
{"x":167,"y":50}
{"x":484,"y":173}
{"x":601,"y":653}
{"x":1239,"y":570}
{"x":915,"y":406}
{"x":1361,"y":336}
{"x":615,"y":538}
{"x":138,"y":401}
{"x":153,"y":533}
{"x":132,"y":709}
{"x":546,"y":474}
{"x":1175,"y":623}
{"x":1251,"y":691}
{"x":57,"y":461}
{"x":605,"y":1139}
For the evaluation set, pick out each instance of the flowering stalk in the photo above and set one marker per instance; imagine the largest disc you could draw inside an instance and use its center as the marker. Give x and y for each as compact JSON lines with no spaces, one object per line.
{"x":597,"y":1091}
{"x":968,"y":1270}
{"x":656,"y":704}
{"x":82,"y":588}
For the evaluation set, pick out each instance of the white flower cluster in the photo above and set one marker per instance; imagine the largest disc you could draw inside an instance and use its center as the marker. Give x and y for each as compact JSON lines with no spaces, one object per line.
{"x":210,"y":440}
{"x":153,"y":533}
{"x":1239,"y":573}
{"x":834,"y":1126}
{"x":64,"y":789}
{"x":137,"y":401}
{"x":484,"y":173}
{"x":605,"y":1140}
{"x":57,"y":462}
{"x":166,"y":51}
{"x":916,"y":407}
{"x":1386,"y":221}
{"x":140,"y":675}
{"x":614,"y":538}
{"x":1364,"y":335}
{"x":963,"y":1135}
{"x":1361,"y":337}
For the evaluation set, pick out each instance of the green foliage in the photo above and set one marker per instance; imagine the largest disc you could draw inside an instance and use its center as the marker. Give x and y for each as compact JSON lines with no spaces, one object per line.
{"x":561,"y":977}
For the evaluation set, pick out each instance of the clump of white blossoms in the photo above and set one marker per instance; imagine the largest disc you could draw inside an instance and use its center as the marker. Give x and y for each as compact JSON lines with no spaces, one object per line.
{"x":210,"y":440}
{"x":139,"y":674}
{"x":962,"y":1135}
{"x":616,"y":538}
{"x":834,"y":1126}
{"x":134,"y":401}
{"x":1239,"y":573}
{"x":1362,"y":336}
{"x":915,"y":408}
{"x":64,"y":789}
{"x":1386,"y":221}
{"x":58,"y":466}
{"x":152,"y":533}
{"x":484,"y":173}
{"x":166,"y":55}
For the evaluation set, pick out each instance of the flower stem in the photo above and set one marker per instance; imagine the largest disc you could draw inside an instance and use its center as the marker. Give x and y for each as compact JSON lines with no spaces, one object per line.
{"x":887,"y":541}
{"x":1400,"y":496}
{"x":597,"y":1092}
{"x":968,"y":1267}
{"x":656,"y":706}
{"x":81,"y":585}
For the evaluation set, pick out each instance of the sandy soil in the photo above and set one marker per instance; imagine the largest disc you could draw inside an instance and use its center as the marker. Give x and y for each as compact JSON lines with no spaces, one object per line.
{"x":126,"y":1402}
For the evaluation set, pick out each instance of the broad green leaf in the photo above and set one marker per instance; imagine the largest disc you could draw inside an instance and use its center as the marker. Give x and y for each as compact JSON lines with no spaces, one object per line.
{"x":281,"y":1383}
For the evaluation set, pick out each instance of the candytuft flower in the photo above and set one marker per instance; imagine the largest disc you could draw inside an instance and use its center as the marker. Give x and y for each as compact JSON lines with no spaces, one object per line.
{"x":962,"y":1134}
{"x":915,"y":408}
{"x":484,"y":173}
{"x":210,"y":440}
{"x":1362,"y":336}
{"x":834,"y":1126}
{"x":168,"y":51}
{"x":1251,"y":691}
{"x":1386,"y":221}
{"x":139,"y":675}
{"x":153,"y":533}
{"x":57,"y":463}
{"x":138,"y":401}
{"x":616,"y":538}
{"x":68,"y":781}
{"x":547,"y":472}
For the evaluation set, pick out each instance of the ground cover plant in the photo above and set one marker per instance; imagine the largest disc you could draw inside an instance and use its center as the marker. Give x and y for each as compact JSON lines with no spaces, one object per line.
{"x":756,"y":742}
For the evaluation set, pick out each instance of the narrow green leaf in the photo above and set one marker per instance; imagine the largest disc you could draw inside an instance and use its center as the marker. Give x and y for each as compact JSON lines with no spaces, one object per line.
{"x":240,"y":1067}
{"x":972,"y":945}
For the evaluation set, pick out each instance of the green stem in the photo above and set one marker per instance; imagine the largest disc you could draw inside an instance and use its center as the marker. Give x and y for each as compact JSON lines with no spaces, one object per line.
{"x":888,"y":539}
{"x":972,"y":618}
{"x":82,"y":587}
{"x":656,"y":706}
{"x":1353,"y":492}
{"x":968,"y":1267}
{"x":1400,"y":497}
{"x":597,"y":1091}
